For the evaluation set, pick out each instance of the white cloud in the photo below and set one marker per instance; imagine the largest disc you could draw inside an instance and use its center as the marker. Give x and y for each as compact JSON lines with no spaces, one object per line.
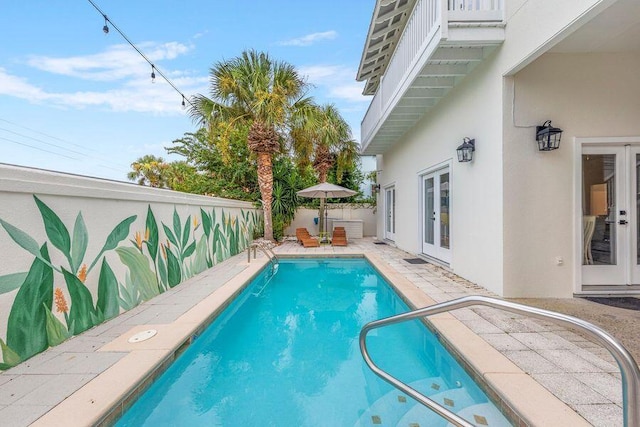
{"x":337,"y":80}
{"x":310,"y":39}
{"x":134,"y":95}
{"x":128,"y":74}
{"x":117,"y":62}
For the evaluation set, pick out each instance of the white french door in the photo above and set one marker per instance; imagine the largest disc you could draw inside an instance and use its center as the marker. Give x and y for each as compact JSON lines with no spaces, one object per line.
{"x":610,"y":229}
{"x":390,"y":213}
{"x":436,"y":210}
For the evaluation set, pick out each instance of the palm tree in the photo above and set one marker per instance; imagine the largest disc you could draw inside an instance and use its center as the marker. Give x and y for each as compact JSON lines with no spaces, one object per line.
{"x":257,"y":91}
{"x":322,"y":136}
{"x":150,"y":170}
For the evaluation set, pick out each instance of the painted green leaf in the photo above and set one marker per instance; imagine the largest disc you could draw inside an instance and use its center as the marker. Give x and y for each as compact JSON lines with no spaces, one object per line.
{"x":11,"y":282}
{"x":107,"y":292}
{"x":206,"y":222}
{"x":130,"y":297}
{"x":186,"y":232}
{"x":56,"y":332}
{"x":56,"y":230}
{"x":188,"y":251}
{"x":199,"y":264}
{"x":79,"y":243}
{"x":174,"y":275}
{"x":142,"y":277}
{"x":177,"y":227}
{"x":170,"y":235}
{"x":26,"y":327}
{"x":9,"y":357}
{"x":162,"y":272}
{"x":22,"y":239}
{"x":153,"y":240}
{"x":119,"y":233}
{"x":82,"y":311}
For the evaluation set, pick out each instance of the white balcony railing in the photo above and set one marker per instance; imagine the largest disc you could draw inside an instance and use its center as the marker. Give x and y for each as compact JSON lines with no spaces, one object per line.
{"x":423,"y":25}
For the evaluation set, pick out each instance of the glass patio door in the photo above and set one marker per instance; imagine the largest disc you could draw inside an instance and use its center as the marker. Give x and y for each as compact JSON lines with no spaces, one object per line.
{"x":390,"y":213}
{"x":610,"y":220}
{"x":436,"y":209}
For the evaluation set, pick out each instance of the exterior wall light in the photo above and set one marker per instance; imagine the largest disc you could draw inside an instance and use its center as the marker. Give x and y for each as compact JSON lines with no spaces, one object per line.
{"x":548,"y":137}
{"x":465,"y":151}
{"x":375,"y":188}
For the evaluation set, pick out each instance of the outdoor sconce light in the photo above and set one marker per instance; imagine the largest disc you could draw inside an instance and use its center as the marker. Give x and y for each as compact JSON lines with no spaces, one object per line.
{"x":375,"y":188}
{"x":548,"y":137}
{"x":465,"y":151}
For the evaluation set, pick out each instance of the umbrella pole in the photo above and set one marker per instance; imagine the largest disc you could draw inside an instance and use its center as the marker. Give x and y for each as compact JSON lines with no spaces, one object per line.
{"x":326,"y":236}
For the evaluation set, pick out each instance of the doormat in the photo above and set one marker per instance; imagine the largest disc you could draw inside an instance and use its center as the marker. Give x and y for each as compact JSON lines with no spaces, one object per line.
{"x":379,"y":243}
{"x":629,"y":303}
{"x":415,"y":261}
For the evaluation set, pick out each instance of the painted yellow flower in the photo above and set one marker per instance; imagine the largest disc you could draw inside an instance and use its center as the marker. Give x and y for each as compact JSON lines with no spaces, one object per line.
{"x":61,"y":303}
{"x":146,"y":235}
{"x":196,"y":224}
{"x":138,"y":238}
{"x":82,"y":274}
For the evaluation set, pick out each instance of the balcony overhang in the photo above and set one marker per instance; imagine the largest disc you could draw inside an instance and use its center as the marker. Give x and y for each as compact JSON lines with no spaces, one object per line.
{"x":428,"y":60}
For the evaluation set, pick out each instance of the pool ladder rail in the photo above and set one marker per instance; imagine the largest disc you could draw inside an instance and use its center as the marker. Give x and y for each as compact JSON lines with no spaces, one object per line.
{"x":265,"y":249}
{"x":628,"y":366}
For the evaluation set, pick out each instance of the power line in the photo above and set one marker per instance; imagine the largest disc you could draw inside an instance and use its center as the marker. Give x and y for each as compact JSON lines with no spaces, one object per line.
{"x":81,"y":153}
{"x":154,"y":68}
{"x":38,"y":148}
{"x":47,"y":135}
{"x":43,"y":142}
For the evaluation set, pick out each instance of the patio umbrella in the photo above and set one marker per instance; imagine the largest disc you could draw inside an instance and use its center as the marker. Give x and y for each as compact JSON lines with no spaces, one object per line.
{"x":323,"y":191}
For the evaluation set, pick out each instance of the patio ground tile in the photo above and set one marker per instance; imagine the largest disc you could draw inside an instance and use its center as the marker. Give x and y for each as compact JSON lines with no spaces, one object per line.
{"x":531,"y":362}
{"x":570,"y":390}
{"x":600,"y":415}
{"x":603,"y":383}
{"x":21,"y":416}
{"x":503,"y":341}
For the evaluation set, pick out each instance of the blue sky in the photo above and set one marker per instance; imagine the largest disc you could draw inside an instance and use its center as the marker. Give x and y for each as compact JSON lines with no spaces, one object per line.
{"x":76,"y":100}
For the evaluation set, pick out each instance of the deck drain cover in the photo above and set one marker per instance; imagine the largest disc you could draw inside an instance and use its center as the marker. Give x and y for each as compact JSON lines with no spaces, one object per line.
{"x":143,"y":336}
{"x":415,"y":261}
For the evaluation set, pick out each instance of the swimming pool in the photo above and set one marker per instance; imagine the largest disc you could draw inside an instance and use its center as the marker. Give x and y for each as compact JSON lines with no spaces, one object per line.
{"x":285,"y":353}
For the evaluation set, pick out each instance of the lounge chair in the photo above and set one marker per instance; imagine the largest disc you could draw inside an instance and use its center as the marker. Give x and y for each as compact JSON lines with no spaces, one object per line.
{"x":305,"y":239}
{"x":339,"y":237}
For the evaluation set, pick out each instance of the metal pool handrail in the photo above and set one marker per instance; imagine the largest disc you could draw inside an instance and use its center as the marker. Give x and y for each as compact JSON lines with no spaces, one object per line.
{"x":626,"y":363}
{"x":264,"y":249}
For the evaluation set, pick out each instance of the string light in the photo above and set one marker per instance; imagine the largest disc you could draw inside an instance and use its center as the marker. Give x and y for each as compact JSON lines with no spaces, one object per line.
{"x":154,"y":69}
{"x":105,"y":29}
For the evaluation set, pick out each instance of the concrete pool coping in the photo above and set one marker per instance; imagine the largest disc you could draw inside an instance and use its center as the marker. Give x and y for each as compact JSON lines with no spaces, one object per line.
{"x":102,"y":400}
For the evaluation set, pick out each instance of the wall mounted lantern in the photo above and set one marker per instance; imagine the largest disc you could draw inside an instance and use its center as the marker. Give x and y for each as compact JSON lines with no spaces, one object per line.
{"x":465,"y":151}
{"x":548,"y":137}
{"x":375,"y":188}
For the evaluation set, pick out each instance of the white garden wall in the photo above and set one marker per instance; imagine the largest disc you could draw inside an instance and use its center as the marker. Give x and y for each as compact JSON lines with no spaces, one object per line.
{"x":305,"y":218}
{"x":77,"y":251}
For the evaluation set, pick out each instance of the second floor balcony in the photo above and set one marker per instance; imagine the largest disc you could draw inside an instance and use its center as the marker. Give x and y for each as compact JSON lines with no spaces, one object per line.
{"x":417,"y":50}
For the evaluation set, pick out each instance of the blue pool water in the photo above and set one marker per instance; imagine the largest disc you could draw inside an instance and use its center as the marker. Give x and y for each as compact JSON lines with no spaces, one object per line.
{"x":285,"y":353}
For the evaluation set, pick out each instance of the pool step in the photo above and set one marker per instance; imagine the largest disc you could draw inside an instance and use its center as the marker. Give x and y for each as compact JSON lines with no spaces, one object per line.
{"x":483,"y":414}
{"x":454,"y":400}
{"x":387,"y":410}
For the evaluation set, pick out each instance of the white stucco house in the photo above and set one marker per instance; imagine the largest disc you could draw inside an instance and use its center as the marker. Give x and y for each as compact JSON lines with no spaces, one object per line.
{"x":516,"y":220}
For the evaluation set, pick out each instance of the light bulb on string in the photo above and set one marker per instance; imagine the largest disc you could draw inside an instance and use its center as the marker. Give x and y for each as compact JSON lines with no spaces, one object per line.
{"x":153,"y":74}
{"x":105,"y":29}
{"x":184,"y":105}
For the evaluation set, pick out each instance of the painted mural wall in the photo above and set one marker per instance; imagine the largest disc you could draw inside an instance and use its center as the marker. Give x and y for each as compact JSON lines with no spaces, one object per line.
{"x":78,"y":251}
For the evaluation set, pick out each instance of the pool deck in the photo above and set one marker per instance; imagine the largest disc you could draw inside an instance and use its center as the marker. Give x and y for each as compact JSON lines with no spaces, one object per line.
{"x":527,"y":361}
